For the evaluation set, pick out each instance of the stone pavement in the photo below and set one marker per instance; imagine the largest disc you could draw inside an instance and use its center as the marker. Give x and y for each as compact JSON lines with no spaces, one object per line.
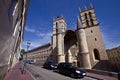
{"x":16,"y":74}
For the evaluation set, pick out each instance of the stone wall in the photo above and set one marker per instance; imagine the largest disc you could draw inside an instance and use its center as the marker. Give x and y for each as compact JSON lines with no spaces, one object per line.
{"x":12,"y":22}
{"x":94,"y":40}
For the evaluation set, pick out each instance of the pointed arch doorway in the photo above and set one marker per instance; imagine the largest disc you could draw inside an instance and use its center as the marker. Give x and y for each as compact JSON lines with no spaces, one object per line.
{"x":71,"y":47}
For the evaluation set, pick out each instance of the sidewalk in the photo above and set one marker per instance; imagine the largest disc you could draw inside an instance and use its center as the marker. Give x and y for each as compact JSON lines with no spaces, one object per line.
{"x":100,"y":77}
{"x":15,"y":73}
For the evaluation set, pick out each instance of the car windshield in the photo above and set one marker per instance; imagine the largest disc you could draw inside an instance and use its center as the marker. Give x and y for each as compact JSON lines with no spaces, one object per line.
{"x":52,"y":63}
{"x":32,"y":60}
{"x":69,"y":65}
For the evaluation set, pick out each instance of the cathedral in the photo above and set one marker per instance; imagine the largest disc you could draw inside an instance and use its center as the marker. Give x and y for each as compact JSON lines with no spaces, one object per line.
{"x":83,"y":46}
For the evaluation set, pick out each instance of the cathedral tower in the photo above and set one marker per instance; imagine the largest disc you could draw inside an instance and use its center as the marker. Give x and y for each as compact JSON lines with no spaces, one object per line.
{"x":83,"y":54}
{"x":59,"y":28}
{"x":94,"y":39}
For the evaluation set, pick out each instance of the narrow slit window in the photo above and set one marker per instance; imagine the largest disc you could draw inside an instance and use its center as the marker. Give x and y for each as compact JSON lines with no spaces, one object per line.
{"x":92,"y":23}
{"x":90,"y":14}
{"x":85,"y":15}
{"x":87,"y":23}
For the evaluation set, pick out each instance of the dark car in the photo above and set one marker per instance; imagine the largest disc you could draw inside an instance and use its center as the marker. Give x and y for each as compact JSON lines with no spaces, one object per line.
{"x":70,"y":70}
{"x":50,"y":65}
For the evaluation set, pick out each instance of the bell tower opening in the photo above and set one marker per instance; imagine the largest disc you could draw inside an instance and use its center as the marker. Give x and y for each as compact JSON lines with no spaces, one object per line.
{"x":88,"y":17}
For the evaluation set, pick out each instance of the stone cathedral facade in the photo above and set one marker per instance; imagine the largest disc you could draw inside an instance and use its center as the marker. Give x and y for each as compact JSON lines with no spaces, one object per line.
{"x":84,"y":46}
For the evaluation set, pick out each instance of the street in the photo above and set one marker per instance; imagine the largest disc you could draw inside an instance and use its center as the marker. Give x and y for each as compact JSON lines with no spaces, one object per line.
{"x":40,"y":73}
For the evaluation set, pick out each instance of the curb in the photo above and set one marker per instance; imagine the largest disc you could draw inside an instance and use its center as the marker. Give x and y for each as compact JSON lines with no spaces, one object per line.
{"x":95,"y":78}
{"x":30,"y":74}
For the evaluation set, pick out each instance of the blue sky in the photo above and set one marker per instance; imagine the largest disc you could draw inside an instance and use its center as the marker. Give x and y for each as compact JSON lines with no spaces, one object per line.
{"x":40,"y":16}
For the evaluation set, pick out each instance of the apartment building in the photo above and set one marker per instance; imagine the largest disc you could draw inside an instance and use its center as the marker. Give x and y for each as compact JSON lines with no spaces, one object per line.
{"x":114,"y":58}
{"x":13,"y":15}
{"x":40,"y":54}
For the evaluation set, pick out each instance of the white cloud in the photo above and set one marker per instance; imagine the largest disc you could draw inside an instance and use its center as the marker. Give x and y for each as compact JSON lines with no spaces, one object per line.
{"x":47,"y":34}
{"x":28,"y":29}
{"x":110,"y":37}
{"x":38,"y":33}
{"x":107,"y":42}
{"x":37,"y":42}
{"x":41,"y":39}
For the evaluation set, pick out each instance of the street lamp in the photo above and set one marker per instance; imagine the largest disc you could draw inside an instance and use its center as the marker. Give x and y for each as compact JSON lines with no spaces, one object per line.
{"x":28,"y":45}
{"x":23,"y":71}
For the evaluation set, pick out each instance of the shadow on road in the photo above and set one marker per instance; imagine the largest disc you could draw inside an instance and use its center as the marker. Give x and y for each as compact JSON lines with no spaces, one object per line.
{"x":56,"y":71}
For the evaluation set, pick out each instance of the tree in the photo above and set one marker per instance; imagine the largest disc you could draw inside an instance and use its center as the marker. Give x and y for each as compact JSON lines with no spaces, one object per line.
{"x":22,"y":52}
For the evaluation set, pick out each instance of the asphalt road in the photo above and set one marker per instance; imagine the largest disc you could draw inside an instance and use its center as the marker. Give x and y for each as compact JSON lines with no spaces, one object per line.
{"x":40,"y":73}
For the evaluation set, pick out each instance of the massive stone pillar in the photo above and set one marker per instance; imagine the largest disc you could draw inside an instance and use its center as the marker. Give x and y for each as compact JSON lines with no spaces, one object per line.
{"x":60,"y":48}
{"x":83,"y":48}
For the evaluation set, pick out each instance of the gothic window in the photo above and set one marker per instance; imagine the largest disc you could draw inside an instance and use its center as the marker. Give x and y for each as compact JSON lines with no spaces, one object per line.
{"x":56,"y":24}
{"x":96,"y":54}
{"x":85,"y":15}
{"x":92,"y":23}
{"x":87,"y":23}
{"x":90,"y":15}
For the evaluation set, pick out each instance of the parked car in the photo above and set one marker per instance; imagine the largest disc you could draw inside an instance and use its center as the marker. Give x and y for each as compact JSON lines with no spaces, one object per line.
{"x":30,"y":61}
{"x":70,"y":70}
{"x":50,"y":65}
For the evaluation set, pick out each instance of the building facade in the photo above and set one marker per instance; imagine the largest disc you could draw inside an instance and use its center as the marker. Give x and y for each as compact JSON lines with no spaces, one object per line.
{"x":39,"y":54}
{"x":83,"y":46}
{"x":114,"y":58}
{"x":12,"y":20}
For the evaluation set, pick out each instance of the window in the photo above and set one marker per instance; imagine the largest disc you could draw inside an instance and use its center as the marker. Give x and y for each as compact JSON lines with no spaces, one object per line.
{"x":95,"y":39}
{"x":85,"y":15}
{"x":87,"y":23}
{"x":91,"y":20}
{"x":56,"y":24}
{"x":90,"y":15}
{"x":96,"y":54}
{"x":91,"y":31}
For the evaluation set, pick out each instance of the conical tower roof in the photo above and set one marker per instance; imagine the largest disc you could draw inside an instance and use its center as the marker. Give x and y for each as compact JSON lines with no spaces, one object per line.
{"x":79,"y":24}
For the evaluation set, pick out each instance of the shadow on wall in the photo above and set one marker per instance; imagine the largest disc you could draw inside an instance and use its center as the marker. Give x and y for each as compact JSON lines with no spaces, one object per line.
{"x":103,"y":65}
{"x":53,"y":55}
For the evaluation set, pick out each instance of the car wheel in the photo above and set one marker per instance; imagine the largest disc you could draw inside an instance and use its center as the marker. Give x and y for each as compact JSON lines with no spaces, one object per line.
{"x":58,"y":70}
{"x":72,"y":75}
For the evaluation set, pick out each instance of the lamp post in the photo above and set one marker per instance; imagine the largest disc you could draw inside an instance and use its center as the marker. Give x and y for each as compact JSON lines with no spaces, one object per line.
{"x":23,"y":71}
{"x":28,"y":45}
